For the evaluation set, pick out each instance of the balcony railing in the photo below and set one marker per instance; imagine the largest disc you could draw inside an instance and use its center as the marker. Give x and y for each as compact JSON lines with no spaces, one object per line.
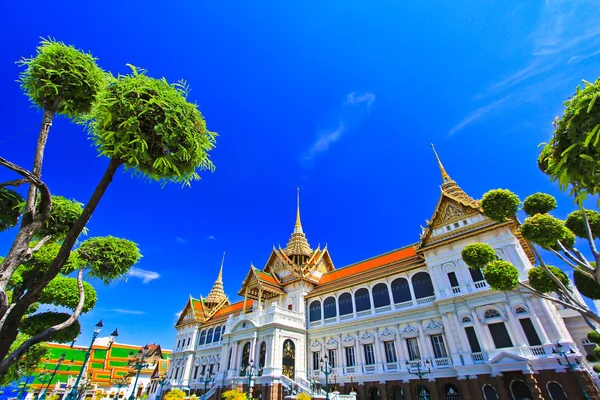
{"x":477,"y":358}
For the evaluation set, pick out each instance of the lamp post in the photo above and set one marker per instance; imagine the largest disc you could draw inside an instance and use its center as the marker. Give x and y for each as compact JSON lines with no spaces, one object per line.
{"x":206,"y":379}
{"x":559,"y":349}
{"x":73,"y":394}
{"x":23,"y":388}
{"x":119,"y":383}
{"x":351,"y":377}
{"x":60,"y":361}
{"x":162,"y":381}
{"x":250,"y":370}
{"x":420,"y":373}
{"x":326,"y":369}
{"x":333,"y":378}
{"x":138,"y":363}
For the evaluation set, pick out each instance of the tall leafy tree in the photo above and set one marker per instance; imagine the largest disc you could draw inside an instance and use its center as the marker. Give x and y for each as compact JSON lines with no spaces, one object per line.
{"x":145,"y":125}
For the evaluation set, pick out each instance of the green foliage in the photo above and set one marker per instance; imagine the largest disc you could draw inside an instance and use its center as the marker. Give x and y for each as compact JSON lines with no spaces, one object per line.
{"x":61,"y":71}
{"x":303,"y":396}
{"x":575,"y":223}
{"x":593,"y":337}
{"x":587,"y":286}
{"x":478,"y":255}
{"x":234,"y":395}
{"x":174,"y":394}
{"x":539,"y":203}
{"x":544,"y":230}
{"x":500,"y":204}
{"x":501,"y":275}
{"x":31,"y":270}
{"x":109,"y":258}
{"x":149,"y":124}
{"x":540,"y":280}
{"x":597,"y":351}
{"x":63,"y":215}
{"x":63,"y":291}
{"x":10,"y":208}
{"x":27,"y":363}
{"x":37,"y":323}
{"x":572,"y":156}
{"x":596,"y":368}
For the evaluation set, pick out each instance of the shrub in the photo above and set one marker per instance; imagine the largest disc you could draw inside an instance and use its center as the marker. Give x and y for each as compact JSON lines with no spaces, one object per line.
{"x":540,"y":280}
{"x":10,"y":208}
{"x":575,"y":223}
{"x":500,"y":204}
{"x":234,"y":395}
{"x":303,"y":396}
{"x":478,"y":255}
{"x":543,"y":230}
{"x":587,"y":286}
{"x":62,"y":216}
{"x":38,"y":323}
{"x":501,"y":275}
{"x":539,"y":203}
{"x":594,"y":337}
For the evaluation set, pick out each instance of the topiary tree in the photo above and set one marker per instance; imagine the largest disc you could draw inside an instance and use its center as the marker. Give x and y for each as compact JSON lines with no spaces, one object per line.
{"x":146,"y":125}
{"x":549,"y":233}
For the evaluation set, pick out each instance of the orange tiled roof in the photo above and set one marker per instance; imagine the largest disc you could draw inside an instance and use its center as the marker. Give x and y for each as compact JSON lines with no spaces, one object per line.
{"x":267,"y":277}
{"x":232,"y":308}
{"x":363,"y":266}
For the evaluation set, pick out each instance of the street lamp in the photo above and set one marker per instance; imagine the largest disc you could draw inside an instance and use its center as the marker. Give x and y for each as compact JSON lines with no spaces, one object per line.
{"x":333,"y":377}
{"x":421,"y":394}
{"x":23,"y":388}
{"x":250,"y":370}
{"x":60,"y":361}
{"x":559,"y":349}
{"x":162,"y":381}
{"x":73,"y":395}
{"x":119,"y":383}
{"x":326,"y":369}
{"x":206,"y":379}
{"x":138,"y":363}
{"x":351,"y":377}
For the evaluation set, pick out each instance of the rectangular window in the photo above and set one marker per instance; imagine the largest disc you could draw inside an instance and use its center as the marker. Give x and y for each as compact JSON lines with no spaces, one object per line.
{"x":530,"y":333}
{"x":439,"y":349}
{"x":203,"y":370}
{"x":316,"y":359}
{"x":350,"y":357}
{"x":473,"y":342}
{"x":452,"y":278}
{"x":500,"y":335}
{"x":390,"y":352}
{"x":195,"y":372}
{"x":369,"y":355}
{"x":176,"y":372}
{"x":413,"y":349}
{"x":476,"y":274}
{"x":331,"y":358}
{"x":189,"y":341}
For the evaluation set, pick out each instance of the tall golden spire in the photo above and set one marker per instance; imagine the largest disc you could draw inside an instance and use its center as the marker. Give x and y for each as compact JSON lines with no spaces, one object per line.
{"x":298,"y":226}
{"x":445,"y":177}
{"x":298,"y":245}
{"x":217,"y":294}
{"x":448,"y":185}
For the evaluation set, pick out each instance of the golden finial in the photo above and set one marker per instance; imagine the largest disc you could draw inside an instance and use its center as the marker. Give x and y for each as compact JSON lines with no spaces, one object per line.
{"x":445,"y":177}
{"x":220,"y":277}
{"x":298,"y":226}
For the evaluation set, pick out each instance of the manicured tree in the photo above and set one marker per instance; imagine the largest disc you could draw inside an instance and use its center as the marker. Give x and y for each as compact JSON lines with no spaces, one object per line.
{"x":547,"y":232}
{"x":145,"y":124}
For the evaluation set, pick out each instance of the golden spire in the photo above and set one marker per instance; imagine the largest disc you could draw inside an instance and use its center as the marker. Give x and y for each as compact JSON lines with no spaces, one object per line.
{"x":298,"y":226}
{"x":217,"y":294}
{"x":448,"y":185}
{"x":445,"y":177}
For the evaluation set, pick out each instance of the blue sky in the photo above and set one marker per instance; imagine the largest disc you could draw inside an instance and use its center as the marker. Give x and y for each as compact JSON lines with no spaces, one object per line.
{"x":341,"y":98}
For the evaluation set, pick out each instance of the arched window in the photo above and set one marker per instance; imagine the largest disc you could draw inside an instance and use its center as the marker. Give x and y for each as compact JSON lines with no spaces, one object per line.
{"x":451,"y":392}
{"x":491,"y":313}
{"x":381,"y":295}
{"x":423,"y":393}
{"x":362,"y":300}
{"x":520,"y":390}
{"x":217,"y":336}
{"x":466,"y":320}
{"x":245,"y":359}
{"x":400,"y":290}
{"x":315,"y":311}
{"x":345,"y":303}
{"x":489,"y":393}
{"x":396,"y":393}
{"x":209,"y":336}
{"x":556,"y":391}
{"x":262,"y":358}
{"x":329,"y":310}
{"x":202,"y":337}
{"x":422,"y":285}
{"x":521,"y":310}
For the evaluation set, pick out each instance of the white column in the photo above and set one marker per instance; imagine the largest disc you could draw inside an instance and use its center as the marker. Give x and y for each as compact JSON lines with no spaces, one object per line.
{"x":514,"y":328}
{"x":535,"y":320}
{"x":483,"y":333}
{"x":425,"y":345}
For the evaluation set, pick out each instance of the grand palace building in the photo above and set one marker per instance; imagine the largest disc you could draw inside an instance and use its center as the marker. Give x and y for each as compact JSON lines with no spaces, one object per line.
{"x":413,"y":323}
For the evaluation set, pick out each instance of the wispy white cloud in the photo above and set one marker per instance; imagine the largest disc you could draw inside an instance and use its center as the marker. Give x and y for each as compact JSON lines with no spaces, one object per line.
{"x":581,"y":57}
{"x":145,"y":275}
{"x":353,"y":110}
{"x":180,"y":240}
{"x":124,"y":311}
{"x":210,"y":237}
{"x":178,"y":314}
{"x":477,"y":115}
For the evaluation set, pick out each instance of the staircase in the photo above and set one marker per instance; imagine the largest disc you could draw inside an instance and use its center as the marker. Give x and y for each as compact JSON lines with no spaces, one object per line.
{"x":210,"y":393}
{"x":294,"y":387}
